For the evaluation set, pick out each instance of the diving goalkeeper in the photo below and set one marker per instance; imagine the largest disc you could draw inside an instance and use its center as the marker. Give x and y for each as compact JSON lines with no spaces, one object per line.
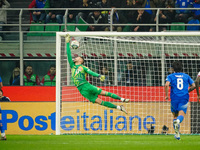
{"x":90,"y":92}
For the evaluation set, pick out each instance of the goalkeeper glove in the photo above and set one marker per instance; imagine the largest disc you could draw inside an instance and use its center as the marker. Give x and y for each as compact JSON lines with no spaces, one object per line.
{"x":102,"y":77}
{"x":67,"y":38}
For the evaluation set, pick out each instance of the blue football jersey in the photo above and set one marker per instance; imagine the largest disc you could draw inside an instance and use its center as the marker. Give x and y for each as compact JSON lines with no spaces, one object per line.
{"x":0,"y":79}
{"x":179,"y":84}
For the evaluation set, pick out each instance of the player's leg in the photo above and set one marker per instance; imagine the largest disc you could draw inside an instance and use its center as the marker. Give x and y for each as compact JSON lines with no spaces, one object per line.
{"x":114,"y":96}
{"x":175,"y":115}
{"x":91,"y":93}
{"x":174,"y":110}
{"x":181,"y":116}
{"x":177,"y":122}
{"x":182,"y":109}
{"x":110,"y":105}
{"x":3,"y":135}
{"x":176,"y":128}
{"x":174,"y":107}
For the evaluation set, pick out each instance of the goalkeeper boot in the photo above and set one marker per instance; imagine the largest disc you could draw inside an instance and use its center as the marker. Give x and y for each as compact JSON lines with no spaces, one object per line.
{"x":3,"y":138}
{"x":176,"y":128}
{"x":125,"y":100}
{"x":123,"y":109}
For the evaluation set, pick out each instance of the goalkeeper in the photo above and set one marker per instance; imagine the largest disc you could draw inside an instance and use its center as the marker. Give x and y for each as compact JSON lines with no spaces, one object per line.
{"x":90,"y":92}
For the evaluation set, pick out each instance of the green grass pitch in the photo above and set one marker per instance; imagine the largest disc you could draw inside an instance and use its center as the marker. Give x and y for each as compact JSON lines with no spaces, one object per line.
{"x":100,"y":142}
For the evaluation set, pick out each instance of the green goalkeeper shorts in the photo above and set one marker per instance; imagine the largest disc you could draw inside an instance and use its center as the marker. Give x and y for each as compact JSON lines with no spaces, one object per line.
{"x":89,"y":91}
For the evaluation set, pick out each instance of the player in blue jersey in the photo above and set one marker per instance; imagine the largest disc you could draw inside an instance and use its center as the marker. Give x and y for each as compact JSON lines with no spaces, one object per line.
{"x":179,"y":94}
{"x":3,"y":135}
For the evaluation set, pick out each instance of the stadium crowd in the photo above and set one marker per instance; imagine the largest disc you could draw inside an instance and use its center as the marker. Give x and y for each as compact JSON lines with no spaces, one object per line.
{"x":97,"y":16}
{"x":31,"y":79}
{"x":139,"y":16}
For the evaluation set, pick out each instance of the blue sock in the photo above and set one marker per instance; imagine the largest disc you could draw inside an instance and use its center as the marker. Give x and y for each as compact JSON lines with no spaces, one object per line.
{"x":1,"y":127}
{"x":180,"y":118}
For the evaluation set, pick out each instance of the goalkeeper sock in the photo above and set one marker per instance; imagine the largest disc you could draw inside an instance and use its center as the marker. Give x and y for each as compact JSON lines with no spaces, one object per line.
{"x":112,"y":95}
{"x":180,"y":118}
{"x":108,"y":104}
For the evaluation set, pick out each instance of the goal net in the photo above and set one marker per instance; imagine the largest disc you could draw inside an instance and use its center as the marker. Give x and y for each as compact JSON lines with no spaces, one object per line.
{"x":135,"y":66}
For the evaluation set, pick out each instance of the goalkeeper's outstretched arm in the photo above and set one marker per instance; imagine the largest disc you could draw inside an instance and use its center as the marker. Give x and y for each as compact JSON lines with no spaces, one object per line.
{"x":69,"y":55}
{"x":101,"y":77}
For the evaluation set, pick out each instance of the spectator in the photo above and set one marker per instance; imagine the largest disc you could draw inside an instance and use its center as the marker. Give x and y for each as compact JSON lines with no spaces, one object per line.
{"x":38,"y":15}
{"x":170,"y":13}
{"x":195,"y":17}
{"x":165,"y":17}
{"x":15,"y":78}
{"x":104,"y":4}
{"x":1,"y":83}
{"x":118,"y":18}
{"x":55,"y":15}
{"x":72,"y":13}
{"x":30,"y":79}
{"x":143,"y":17}
{"x":183,"y":15}
{"x":196,"y":4}
{"x":108,"y":76}
{"x":84,"y":13}
{"x":149,"y":4}
{"x":50,"y":78}
{"x":3,"y":98}
{"x":117,"y":3}
{"x":130,"y":75}
{"x":96,"y":18}
{"x":131,"y":14}
{"x":3,"y":16}
{"x":166,"y":3}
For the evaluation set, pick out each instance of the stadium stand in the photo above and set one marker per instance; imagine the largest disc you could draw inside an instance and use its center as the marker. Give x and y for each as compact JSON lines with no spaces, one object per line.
{"x":35,"y":28}
{"x":177,"y":28}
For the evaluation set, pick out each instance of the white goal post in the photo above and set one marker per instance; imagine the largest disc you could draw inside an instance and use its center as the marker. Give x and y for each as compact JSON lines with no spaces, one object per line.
{"x":136,"y":65}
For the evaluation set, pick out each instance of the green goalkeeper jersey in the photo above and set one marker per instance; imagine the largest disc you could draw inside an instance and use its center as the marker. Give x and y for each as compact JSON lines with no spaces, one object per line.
{"x":79,"y":72}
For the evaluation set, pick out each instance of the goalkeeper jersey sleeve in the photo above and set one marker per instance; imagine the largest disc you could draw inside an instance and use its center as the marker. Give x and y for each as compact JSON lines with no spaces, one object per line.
{"x":69,"y":55}
{"x":86,"y":69}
